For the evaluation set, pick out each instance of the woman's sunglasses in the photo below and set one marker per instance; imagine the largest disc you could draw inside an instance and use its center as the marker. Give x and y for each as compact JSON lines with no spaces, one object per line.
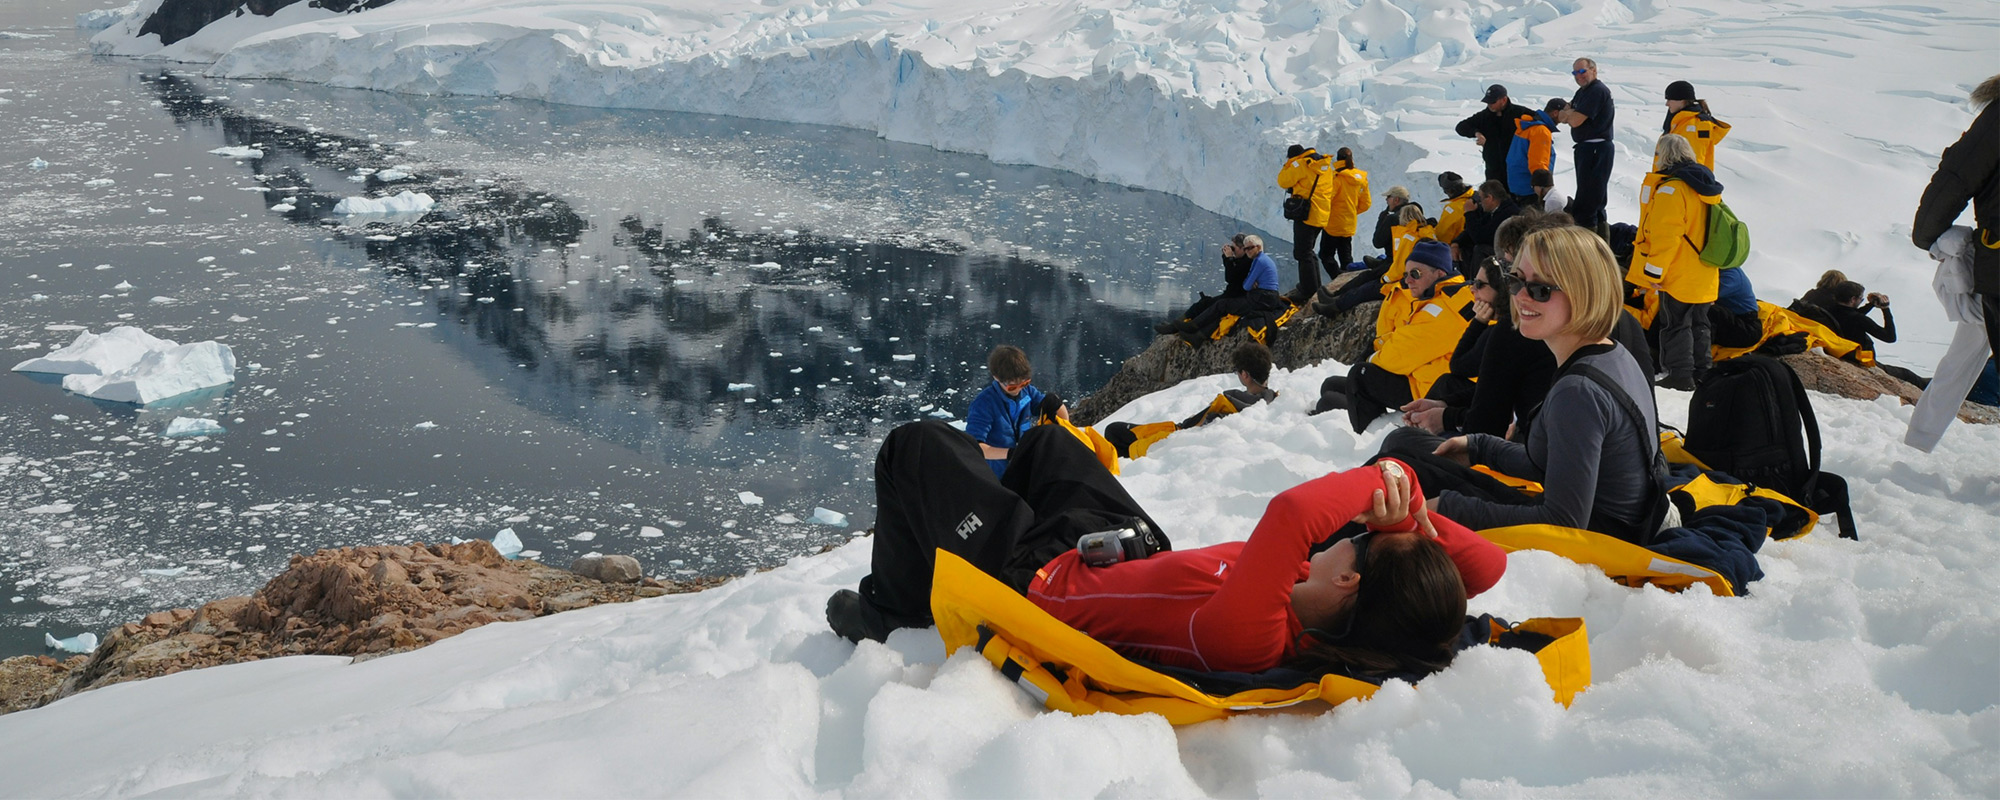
{"x":1537,"y":291}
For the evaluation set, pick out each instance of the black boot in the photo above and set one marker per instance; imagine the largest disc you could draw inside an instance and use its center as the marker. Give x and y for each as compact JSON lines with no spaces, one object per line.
{"x":855,"y":618}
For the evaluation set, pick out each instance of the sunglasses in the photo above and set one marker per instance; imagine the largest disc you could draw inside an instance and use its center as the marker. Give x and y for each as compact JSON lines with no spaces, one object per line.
{"x":1360,"y":543}
{"x":1477,"y":284}
{"x":1537,"y":291}
{"x":1015,"y":386}
{"x":1579,"y":71}
{"x":1414,"y":274}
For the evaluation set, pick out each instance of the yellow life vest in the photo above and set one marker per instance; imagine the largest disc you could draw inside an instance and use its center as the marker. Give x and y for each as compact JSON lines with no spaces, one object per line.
{"x":1783,"y":321}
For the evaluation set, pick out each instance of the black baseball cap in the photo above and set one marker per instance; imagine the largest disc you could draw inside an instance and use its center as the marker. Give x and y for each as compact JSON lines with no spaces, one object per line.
{"x":1494,"y":92}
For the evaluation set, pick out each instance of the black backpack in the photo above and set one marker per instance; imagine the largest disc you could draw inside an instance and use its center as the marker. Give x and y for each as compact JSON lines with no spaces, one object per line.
{"x":1751,"y":418}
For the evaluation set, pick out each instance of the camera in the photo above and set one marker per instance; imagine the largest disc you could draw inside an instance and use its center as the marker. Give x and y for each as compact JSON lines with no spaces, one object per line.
{"x":1131,"y":543}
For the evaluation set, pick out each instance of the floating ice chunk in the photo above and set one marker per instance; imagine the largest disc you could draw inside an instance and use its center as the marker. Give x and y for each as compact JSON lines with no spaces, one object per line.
{"x":283,"y":207}
{"x":584,"y":536}
{"x":161,"y":374}
{"x":785,"y":519}
{"x":903,"y":357}
{"x":650,"y":532}
{"x":507,"y":543}
{"x":99,"y":183}
{"x":123,"y":286}
{"x":424,"y":426}
{"x":38,"y":164}
{"x":828,"y":516}
{"x":405,"y":202}
{"x":192,"y":426}
{"x":750,"y":498}
{"x":97,"y":354}
{"x":162,"y":300}
{"x":51,"y":508}
{"x":392,"y":175}
{"x":238,"y":152}
{"x":80,"y":643}
{"x":165,"y":572}
{"x":741,"y":387}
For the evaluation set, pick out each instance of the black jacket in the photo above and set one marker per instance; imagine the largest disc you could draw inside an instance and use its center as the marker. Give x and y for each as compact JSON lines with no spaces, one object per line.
{"x":1499,"y":130}
{"x":1514,"y":375}
{"x":1969,"y":170}
{"x":1854,"y":325}
{"x":1384,"y":222}
{"x":1477,"y":241}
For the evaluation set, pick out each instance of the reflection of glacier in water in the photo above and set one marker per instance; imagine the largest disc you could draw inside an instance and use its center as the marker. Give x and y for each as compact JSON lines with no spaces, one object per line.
{"x":625,"y":330}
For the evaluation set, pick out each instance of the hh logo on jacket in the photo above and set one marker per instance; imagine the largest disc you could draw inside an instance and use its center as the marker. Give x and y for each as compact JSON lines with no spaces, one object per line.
{"x":968,"y":525}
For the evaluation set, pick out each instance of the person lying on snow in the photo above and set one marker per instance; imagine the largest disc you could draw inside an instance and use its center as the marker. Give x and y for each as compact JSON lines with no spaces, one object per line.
{"x":1592,"y":443}
{"x":1388,"y":598}
{"x":1253,"y":369}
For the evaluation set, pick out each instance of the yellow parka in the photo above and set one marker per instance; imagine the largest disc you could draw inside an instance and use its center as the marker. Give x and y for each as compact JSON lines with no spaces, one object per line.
{"x":1673,"y":224}
{"x":1451,"y":221}
{"x":1312,"y":173}
{"x":1702,"y":133}
{"x":1415,"y":338}
{"x":1350,"y":198}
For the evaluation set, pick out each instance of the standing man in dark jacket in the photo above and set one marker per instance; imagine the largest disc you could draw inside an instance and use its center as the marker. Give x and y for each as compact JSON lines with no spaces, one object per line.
{"x":1493,"y":127}
{"x":1589,"y":118}
{"x":1970,"y":171}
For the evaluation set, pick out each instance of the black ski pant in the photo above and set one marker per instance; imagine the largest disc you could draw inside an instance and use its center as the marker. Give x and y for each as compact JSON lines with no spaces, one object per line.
{"x":1593,"y":183}
{"x":1435,"y":473}
{"x":1304,"y":237}
{"x":1366,"y":391}
{"x":934,"y":491}
{"x":1335,"y":253}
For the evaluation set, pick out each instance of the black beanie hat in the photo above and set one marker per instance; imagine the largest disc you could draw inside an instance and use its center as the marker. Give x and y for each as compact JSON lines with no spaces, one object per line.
{"x":1295,"y":151}
{"x":1452,"y":184}
{"x":1680,"y":90}
{"x":1542,"y":177}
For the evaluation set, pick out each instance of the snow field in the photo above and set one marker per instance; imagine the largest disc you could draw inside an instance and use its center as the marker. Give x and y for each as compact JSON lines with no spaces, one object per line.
{"x":1858,"y":669}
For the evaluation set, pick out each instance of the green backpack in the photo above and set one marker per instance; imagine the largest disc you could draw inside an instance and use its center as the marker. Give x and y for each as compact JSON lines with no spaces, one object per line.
{"x":1728,"y":244}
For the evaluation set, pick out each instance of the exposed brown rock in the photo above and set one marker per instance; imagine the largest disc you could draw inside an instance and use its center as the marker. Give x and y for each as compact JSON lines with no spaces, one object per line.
{"x":1306,"y":340}
{"x":1823,"y":373}
{"x":358,"y":601}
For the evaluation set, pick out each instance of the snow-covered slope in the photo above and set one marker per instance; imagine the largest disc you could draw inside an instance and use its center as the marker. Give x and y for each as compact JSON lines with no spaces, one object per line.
{"x":1859,"y":669}
{"x":1839,"y":107}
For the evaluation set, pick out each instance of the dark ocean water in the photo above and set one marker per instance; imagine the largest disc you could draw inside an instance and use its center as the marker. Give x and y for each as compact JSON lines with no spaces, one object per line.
{"x":674,"y":336}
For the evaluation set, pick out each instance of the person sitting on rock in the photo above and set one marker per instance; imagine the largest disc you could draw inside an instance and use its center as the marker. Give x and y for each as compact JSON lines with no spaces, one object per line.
{"x":1850,"y":320}
{"x":1411,"y":227}
{"x":1258,"y":291}
{"x":1252,"y":361}
{"x":1415,"y":330}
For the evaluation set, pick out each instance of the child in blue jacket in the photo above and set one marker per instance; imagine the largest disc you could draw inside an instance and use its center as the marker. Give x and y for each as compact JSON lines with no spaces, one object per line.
{"x":1007,"y":407}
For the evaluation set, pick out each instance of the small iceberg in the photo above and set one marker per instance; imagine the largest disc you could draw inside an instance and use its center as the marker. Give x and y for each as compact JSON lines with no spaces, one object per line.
{"x":192,"y":426}
{"x":750,"y":498}
{"x":405,"y":202}
{"x":98,"y":354}
{"x":161,"y":374}
{"x":828,"y":516}
{"x":507,"y":543}
{"x":165,"y":572}
{"x":80,"y":643}
{"x":237,"y":152}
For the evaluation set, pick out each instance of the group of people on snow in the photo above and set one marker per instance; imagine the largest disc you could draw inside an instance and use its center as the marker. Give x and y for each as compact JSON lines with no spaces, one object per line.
{"x":1516,"y":337}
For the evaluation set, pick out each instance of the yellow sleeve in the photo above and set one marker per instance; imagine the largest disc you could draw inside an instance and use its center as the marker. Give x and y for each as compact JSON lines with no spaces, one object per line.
{"x":1432,"y":332}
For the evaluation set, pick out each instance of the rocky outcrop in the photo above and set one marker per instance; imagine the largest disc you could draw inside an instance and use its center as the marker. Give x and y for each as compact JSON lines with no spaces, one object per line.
{"x":1823,"y":373}
{"x":175,"y":20}
{"x":1306,"y":340}
{"x":357,"y":601}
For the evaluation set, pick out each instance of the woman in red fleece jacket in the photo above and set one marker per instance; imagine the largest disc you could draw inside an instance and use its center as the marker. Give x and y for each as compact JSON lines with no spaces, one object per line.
{"x":1390,"y":600}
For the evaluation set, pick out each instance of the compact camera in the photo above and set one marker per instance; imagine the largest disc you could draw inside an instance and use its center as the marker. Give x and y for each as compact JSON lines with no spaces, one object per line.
{"x":1130,"y":543}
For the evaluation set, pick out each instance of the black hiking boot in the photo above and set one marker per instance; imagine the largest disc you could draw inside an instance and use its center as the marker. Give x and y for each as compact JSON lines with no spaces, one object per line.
{"x":1678,"y":381}
{"x":1170,"y":326}
{"x":855,"y":618}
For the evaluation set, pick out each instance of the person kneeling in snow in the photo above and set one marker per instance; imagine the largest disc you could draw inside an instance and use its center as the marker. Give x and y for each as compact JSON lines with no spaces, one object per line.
{"x":1384,"y":593}
{"x":1253,"y":368}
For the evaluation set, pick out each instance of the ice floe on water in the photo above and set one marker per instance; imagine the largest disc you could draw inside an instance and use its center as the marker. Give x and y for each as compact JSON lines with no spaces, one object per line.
{"x":128,"y":365}
{"x":192,"y":426}
{"x":404,"y":202}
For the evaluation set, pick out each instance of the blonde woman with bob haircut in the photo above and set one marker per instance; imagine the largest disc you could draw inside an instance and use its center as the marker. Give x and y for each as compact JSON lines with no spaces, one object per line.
{"x":1592,"y":442}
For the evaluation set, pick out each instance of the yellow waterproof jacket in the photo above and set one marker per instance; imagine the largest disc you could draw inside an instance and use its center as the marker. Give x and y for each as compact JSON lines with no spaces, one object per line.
{"x":1702,"y":133}
{"x":1350,"y":198}
{"x":1403,"y":239}
{"x":1673,"y":224}
{"x":1415,"y":338}
{"x":1310,"y":173}
{"x":1779,"y":322}
{"x":1451,"y":221}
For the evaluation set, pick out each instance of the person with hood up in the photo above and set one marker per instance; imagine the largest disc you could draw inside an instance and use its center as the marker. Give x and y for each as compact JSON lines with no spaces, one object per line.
{"x":1308,"y":174}
{"x":1451,"y":213}
{"x":1350,"y":199}
{"x":1666,"y":257}
{"x":1493,"y":128}
{"x":1688,"y":118}
{"x":1533,"y":149}
{"x":1416,"y":330}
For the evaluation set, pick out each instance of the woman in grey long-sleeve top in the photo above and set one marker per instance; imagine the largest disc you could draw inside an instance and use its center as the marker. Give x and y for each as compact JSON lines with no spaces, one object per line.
{"x":1594,"y":461}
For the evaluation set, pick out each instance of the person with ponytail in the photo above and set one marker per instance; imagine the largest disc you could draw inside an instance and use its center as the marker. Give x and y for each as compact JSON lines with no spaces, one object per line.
{"x":1348,"y":572}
